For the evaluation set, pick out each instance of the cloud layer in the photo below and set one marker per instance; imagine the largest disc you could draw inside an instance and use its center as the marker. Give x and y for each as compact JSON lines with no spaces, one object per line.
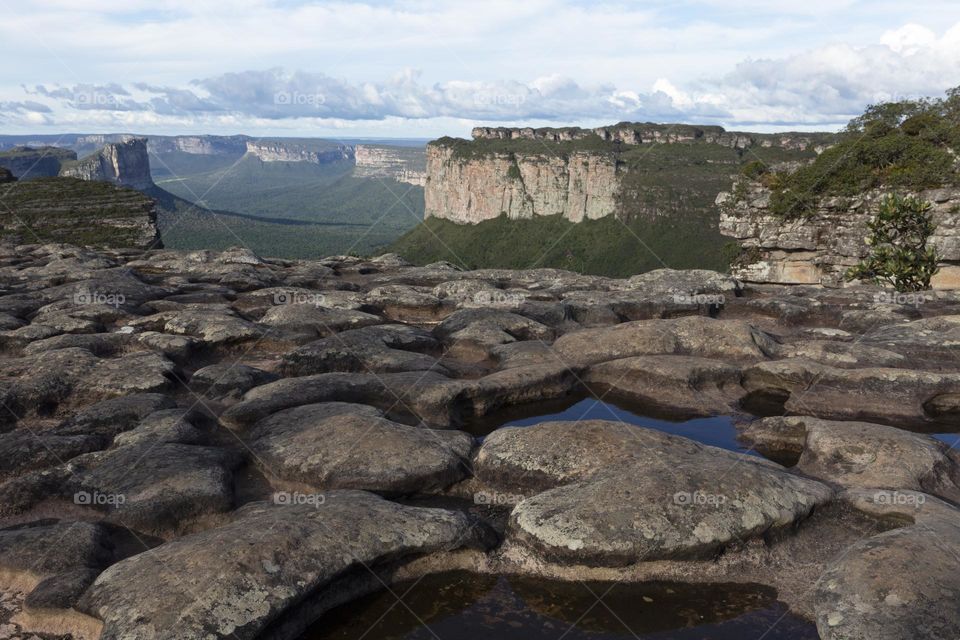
{"x":428,"y":66}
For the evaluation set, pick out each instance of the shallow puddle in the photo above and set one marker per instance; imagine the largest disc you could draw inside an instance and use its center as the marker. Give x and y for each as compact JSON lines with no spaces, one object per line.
{"x":716,"y":431}
{"x":465,"y":606}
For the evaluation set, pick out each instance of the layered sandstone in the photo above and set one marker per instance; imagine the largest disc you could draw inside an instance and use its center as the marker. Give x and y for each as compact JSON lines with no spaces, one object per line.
{"x":275,"y":151}
{"x":820,"y":248}
{"x":123,"y":163}
{"x":470,"y":190}
{"x":403,"y":164}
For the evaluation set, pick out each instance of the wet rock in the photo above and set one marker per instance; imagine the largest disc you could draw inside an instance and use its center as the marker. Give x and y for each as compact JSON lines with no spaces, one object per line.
{"x":684,"y":384}
{"x":883,"y":395}
{"x":232,"y":581}
{"x":338,"y":445}
{"x":614,"y":494}
{"x":864,"y":455}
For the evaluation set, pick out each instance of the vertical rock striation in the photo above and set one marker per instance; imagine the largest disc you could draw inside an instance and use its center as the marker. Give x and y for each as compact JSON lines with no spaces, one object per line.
{"x":122,"y":163}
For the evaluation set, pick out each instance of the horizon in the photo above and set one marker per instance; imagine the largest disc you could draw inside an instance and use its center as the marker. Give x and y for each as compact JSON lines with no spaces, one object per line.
{"x":393,"y":69}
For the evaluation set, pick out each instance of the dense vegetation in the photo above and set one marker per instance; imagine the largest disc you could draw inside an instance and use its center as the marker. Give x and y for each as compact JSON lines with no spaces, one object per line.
{"x":908,"y":145}
{"x":282,"y":209}
{"x":607,"y":246}
{"x":899,"y":255}
{"x":74,"y":211}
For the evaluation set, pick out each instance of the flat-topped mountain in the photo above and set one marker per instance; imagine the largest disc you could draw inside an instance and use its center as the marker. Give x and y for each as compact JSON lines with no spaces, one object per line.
{"x":644,"y":194}
{"x":124,"y":163}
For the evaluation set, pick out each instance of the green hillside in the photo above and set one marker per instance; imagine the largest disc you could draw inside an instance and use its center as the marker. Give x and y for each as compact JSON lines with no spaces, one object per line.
{"x":282,"y":209}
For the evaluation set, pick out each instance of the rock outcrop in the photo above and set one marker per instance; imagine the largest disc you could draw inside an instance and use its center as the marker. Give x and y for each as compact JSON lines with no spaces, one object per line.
{"x":122,"y":163}
{"x":26,"y":163}
{"x":821,"y":247}
{"x":219,"y":445}
{"x":72,"y":210}
{"x":276,"y":151}
{"x":585,"y":174}
{"x":403,"y":164}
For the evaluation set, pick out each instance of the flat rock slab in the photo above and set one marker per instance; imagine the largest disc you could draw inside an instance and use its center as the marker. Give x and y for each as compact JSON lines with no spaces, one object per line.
{"x":384,"y":348}
{"x":703,"y":337}
{"x":883,"y":395}
{"x":863,"y":455}
{"x":623,"y":494}
{"x":900,"y":584}
{"x":339,"y":445}
{"x":232,"y":581}
{"x":682,"y":384}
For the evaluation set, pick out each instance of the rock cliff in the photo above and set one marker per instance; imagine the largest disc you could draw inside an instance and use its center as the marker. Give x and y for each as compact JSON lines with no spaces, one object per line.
{"x":577,"y":186}
{"x":26,"y":163}
{"x":6,"y":175}
{"x":123,"y":163}
{"x":820,"y":248}
{"x":585,"y":174}
{"x":403,"y":164}
{"x":276,"y":151}
{"x":199,"y":145}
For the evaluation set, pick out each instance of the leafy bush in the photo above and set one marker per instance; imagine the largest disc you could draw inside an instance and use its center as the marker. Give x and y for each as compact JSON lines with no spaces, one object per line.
{"x":899,"y":255}
{"x":910,"y":145}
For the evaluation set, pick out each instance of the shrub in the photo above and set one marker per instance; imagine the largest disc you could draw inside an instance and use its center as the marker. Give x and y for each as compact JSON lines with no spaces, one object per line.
{"x":898,"y":246}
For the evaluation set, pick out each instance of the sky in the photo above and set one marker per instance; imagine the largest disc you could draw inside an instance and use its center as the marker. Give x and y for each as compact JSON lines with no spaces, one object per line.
{"x":422,"y":69}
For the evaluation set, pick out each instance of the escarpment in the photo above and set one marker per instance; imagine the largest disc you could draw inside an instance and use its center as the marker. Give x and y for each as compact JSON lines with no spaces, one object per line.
{"x":123,"y":163}
{"x":822,"y":245}
{"x":624,"y":170}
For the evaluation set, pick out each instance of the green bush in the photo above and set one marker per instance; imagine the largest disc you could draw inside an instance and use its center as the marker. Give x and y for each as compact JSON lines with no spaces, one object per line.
{"x":899,"y":254}
{"x":910,"y":145}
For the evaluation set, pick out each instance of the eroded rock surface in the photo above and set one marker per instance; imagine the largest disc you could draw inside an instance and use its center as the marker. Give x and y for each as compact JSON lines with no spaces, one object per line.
{"x":223,"y":441}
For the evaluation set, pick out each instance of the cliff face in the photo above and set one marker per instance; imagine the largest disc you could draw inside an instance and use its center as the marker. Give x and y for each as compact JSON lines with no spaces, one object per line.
{"x":26,"y":163}
{"x":633,"y":170}
{"x":470,"y":190}
{"x":200,"y":145}
{"x":123,"y":163}
{"x":820,"y":248}
{"x":273,"y":151}
{"x":649,"y":133}
{"x":397,"y":163}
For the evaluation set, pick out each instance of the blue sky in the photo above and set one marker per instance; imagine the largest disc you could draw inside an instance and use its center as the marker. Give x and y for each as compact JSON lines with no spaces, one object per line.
{"x":424,"y":69}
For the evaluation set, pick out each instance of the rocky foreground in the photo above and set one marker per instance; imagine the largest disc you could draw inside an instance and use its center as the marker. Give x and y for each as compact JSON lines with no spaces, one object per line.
{"x":202,"y":445}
